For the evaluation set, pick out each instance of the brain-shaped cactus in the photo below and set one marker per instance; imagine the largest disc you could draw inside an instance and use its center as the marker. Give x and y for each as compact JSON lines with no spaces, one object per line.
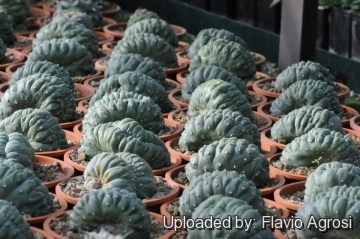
{"x":303,"y":71}
{"x":18,"y":12}
{"x":137,"y":83}
{"x":220,"y":207}
{"x":155,"y":26}
{"x":137,"y":63}
{"x":119,"y":208}
{"x":12,"y":223}
{"x":7,"y":34}
{"x":43,"y":67}
{"x":226,"y":183}
{"x":320,"y":146}
{"x":206,"y":35}
{"x":230,"y":154}
{"x":125,"y":136}
{"x":15,"y":147}
{"x":122,"y":104}
{"x":121,"y":170}
{"x":41,"y":129}
{"x":24,"y":190}
{"x":141,"y":14}
{"x":300,"y":121}
{"x":68,"y":30}
{"x":219,"y":94}
{"x":329,"y":175}
{"x":228,"y":55}
{"x":214,"y":125}
{"x":206,"y":73}
{"x":147,"y":45}
{"x":73,"y":16}
{"x":68,"y":53}
{"x":40,"y":91}
{"x":306,"y":93}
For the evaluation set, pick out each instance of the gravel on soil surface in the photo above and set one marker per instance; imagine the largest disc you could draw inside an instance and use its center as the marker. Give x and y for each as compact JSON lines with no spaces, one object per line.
{"x":295,"y":197}
{"x":47,"y":173}
{"x":182,"y":117}
{"x":294,"y":170}
{"x":182,"y":179}
{"x":183,"y":151}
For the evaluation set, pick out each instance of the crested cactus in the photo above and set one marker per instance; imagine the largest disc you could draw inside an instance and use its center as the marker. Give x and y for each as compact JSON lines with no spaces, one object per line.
{"x":123,"y":104}
{"x":68,"y":30}
{"x":2,"y":52}
{"x":306,"y":93}
{"x":137,"y":83}
{"x":73,"y":16}
{"x":155,"y":26}
{"x":137,"y":63}
{"x":40,"y":91}
{"x":12,"y":223}
{"x":7,"y":34}
{"x":121,"y":170}
{"x":206,"y":35}
{"x":319,"y":146}
{"x":147,"y":45}
{"x":206,"y":73}
{"x":220,"y":207}
{"x":303,"y":71}
{"x":219,"y":94}
{"x":228,"y":55}
{"x":41,"y":129}
{"x":214,"y":125}
{"x":226,"y":183}
{"x":300,"y":121}
{"x":15,"y":147}
{"x":19,"y":12}
{"x":125,"y":135}
{"x":329,"y":175}
{"x":113,"y":206}
{"x":230,"y":154}
{"x":24,"y":190}
{"x":68,"y":53}
{"x":141,"y":14}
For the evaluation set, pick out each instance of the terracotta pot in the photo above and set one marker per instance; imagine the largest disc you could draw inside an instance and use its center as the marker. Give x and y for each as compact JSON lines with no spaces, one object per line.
{"x":78,"y":129}
{"x":106,"y":36}
{"x":181,"y":77}
{"x":175,"y":160}
{"x":266,"y":107}
{"x":265,"y":138}
{"x":105,"y":56}
{"x":265,"y":117}
{"x":288,"y":189}
{"x":182,"y":59}
{"x":270,"y":190}
{"x":158,"y":201}
{"x":86,"y":91}
{"x":71,"y":124}
{"x":60,"y":194}
{"x":171,"y":72}
{"x":106,"y":21}
{"x":174,"y":94}
{"x":3,"y":88}
{"x":48,"y":6}
{"x":259,"y":60}
{"x":183,"y":46}
{"x":38,"y":12}
{"x":354,"y":123}
{"x":271,"y":150}
{"x":263,"y":99}
{"x":172,"y":114}
{"x":5,"y":76}
{"x":111,"y":13}
{"x":174,"y":142}
{"x":59,"y":153}
{"x":26,"y":51}
{"x":179,"y":31}
{"x":164,"y":211}
{"x":113,"y":29}
{"x":175,"y":108}
{"x":342,"y":96}
{"x":22,"y":39}
{"x":354,"y":133}
{"x":42,"y":233}
{"x":171,"y":174}
{"x":178,"y":131}
{"x":82,"y":107}
{"x":41,"y":219}
{"x":259,"y":76}
{"x":109,"y":46}
{"x":173,"y":82}
{"x":12,"y":68}
{"x":88,"y":81}
{"x":291,"y":176}
{"x":348,"y":110}
{"x":81,"y":79}
{"x":67,"y":169}
{"x":18,"y":57}
{"x":78,"y":167}
{"x":101,"y":67}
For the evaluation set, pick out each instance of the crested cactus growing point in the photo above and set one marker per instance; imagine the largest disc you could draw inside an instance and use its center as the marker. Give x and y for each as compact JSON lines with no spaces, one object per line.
{"x":12,"y":223}
{"x":206,"y":35}
{"x":7,"y":34}
{"x":155,"y":26}
{"x":123,"y":104}
{"x":306,"y":93}
{"x":137,"y":83}
{"x":113,"y":206}
{"x":122,"y":170}
{"x":206,"y":73}
{"x":219,"y":94}
{"x":2,"y":51}
{"x":68,"y":30}
{"x":230,"y":154}
{"x":41,"y":129}
{"x":19,"y":12}
{"x":319,"y":146}
{"x":24,"y":190}
{"x":73,"y":16}
{"x":15,"y":147}
{"x":68,"y":53}
{"x":137,"y":63}
{"x":303,"y":71}
{"x":125,"y":135}
{"x":141,"y":14}
{"x":329,"y":175}
{"x":147,"y":45}
{"x":214,"y":125}
{"x":226,"y":183}
{"x":228,"y":55}
{"x":300,"y":121}
{"x":221,"y":207}
{"x":40,"y":91}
